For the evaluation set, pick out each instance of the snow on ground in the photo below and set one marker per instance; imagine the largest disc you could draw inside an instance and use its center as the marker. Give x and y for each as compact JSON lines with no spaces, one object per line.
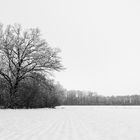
{"x":71,"y":123}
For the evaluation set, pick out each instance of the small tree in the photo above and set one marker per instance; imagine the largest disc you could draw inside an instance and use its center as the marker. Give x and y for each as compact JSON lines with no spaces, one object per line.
{"x":22,"y":53}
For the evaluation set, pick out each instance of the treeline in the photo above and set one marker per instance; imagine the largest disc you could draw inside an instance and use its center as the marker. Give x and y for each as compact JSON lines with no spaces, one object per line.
{"x":76,"y":97}
{"x":37,"y":91}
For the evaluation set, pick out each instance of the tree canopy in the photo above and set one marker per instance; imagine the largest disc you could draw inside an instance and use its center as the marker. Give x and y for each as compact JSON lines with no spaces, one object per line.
{"x":23,"y":52}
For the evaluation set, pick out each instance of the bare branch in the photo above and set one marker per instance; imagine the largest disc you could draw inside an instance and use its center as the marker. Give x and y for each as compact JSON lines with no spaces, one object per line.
{"x":6,"y":77}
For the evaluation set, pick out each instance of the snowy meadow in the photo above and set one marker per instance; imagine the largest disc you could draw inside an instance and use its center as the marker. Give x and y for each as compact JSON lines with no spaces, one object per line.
{"x":71,"y":123}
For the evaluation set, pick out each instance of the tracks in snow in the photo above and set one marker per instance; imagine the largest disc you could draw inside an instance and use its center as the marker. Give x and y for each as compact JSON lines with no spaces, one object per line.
{"x":70,"y":123}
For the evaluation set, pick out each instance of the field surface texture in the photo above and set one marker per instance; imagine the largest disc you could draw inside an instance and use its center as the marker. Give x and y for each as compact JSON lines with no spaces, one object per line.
{"x":71,"y":123}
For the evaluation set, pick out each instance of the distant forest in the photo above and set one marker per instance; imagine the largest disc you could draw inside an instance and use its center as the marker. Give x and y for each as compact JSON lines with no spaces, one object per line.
{"x":76,"y":97}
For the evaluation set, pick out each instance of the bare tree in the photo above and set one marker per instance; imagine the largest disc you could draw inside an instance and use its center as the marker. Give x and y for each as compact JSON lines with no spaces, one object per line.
{"x":24,"y":52}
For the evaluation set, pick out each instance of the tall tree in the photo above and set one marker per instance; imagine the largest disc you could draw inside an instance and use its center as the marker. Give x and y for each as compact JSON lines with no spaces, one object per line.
{"x":23,"y":52}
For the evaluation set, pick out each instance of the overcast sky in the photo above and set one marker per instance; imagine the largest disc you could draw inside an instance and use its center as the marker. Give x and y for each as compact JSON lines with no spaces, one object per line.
{"x":99,"y":39}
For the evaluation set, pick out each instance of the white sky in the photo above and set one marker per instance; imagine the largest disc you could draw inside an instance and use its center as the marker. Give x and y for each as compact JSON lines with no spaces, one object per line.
{"x":99,"y":39}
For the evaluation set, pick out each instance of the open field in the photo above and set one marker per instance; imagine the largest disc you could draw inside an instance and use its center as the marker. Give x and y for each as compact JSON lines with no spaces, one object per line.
{"x":71,"y":123}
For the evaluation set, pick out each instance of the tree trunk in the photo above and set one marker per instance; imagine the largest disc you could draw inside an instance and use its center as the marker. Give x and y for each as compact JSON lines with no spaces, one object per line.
{"x":12,"y":93}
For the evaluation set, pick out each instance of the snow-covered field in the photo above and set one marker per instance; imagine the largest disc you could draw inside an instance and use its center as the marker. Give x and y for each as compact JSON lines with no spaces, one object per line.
{"x":71,"y":123}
